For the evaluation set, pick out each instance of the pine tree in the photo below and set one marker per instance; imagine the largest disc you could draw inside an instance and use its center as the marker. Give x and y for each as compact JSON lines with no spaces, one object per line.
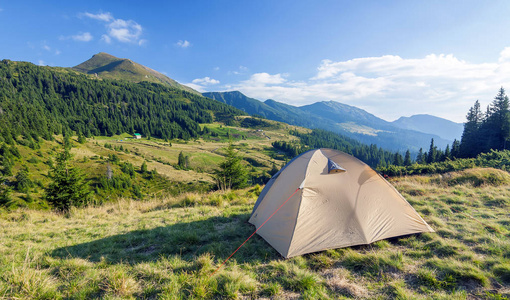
{"x":232,"y":173}
{"x":447,"y":153}
{"x":470,"y":141}
{"x":23,"y":182}
{"x":432,"y":154}
{"x":501,"y":119}
{"x":182,"y":161}
{"x":407,"y":159}
{"x":67,"y":187}
{"x":143,"y":168}
{"x":455,"y":149}
{"x":397,"y":159}
{"x":419,"y":157}
{"x":5,"y":192}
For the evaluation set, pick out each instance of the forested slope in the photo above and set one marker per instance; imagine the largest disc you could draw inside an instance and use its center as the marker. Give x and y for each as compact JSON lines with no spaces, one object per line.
{"x":42,"y":101}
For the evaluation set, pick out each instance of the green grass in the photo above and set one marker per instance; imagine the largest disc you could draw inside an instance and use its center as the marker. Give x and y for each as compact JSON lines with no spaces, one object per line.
{"x":92,"y":157}
{"x":168,"y":248}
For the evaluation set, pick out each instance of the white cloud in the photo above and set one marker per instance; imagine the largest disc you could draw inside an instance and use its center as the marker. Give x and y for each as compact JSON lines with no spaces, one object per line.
{"x":183,"y":44}
{"x":83,"y":37}
{"x":125,"y":31}
{"x":41,"y":62}
{"x":240,"y":71}
{"x":206,"y":81}
{"x":200,"y":84}
{"x":391,"y":86}
{"x":46,"y":47}
{"x":106,"y":39}
{"x":106,"y":17}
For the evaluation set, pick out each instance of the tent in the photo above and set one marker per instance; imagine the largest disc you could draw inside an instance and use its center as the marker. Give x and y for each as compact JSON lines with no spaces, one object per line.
{"x":337,"y":201}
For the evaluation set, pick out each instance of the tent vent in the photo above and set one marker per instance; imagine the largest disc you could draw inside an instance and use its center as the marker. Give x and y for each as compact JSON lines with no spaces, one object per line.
{"x":333,"y":167}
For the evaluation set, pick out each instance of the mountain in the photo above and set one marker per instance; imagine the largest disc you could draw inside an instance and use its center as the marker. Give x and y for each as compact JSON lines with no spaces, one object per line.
{"x":341,"y":118}
{"x":446,"y":129}
{"x":270,"y":109}
{"x":104,"y":65}
{"x":38,"y":101}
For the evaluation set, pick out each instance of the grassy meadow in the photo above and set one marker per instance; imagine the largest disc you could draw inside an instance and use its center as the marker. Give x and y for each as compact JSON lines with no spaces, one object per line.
{"x":98,"y":154}
{"x":169,"y":247}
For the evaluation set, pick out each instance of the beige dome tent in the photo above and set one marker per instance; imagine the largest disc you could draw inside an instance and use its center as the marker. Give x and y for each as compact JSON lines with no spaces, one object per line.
{"x":341,"y":202}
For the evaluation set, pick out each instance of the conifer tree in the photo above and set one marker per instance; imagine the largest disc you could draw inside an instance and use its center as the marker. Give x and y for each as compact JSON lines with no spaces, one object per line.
{"x":232,"y":174}
{"x":419,"y":157}
{"x":67,"y":187}
{"x":432,"y":154}
{"x":397,"y":159}
{"x":182,"y":161}
{"x":23,"y":182}
{"x":501,"y":119}
{"x":5,"y":192}
{"x":143,"y":168}
{"x":447,"y":154}
{"x":407,"y":159}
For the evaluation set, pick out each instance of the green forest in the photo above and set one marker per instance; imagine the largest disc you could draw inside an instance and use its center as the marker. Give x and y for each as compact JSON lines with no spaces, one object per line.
{"x":42,"y":101}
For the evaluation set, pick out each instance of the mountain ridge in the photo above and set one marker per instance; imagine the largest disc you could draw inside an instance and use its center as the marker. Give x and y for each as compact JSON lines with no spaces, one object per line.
{"x":428,"y":124}
{"x":337,"y":117}
{"x":104,"y":65}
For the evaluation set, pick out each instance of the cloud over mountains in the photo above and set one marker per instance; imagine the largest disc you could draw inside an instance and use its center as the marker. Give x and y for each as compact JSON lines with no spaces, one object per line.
{"x":390,"y":84}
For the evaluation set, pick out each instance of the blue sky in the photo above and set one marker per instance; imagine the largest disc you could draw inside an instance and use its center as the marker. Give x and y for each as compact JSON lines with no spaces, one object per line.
{"x":392,"y":58}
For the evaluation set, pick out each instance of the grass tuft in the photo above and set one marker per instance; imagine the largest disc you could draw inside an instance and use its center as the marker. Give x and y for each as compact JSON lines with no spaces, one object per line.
{"x":502,"y":271}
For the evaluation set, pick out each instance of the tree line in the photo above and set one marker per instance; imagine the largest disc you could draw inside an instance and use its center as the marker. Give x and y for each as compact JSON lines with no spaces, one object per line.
{"x":489,"y":130}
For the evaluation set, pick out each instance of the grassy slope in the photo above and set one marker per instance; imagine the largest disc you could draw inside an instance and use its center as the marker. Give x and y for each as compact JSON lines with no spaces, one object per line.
{"x":168,"y":248}
{"x":204,"y":156}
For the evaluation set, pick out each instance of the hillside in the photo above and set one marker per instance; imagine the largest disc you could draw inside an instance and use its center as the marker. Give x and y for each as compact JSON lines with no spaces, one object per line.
{"x":40,"y":101}
{"x":445,"y":129}
{"x":114,"y":169}
{"x":337,"y":117}
{"x":169,"y":247}
{"x":104,"y":65}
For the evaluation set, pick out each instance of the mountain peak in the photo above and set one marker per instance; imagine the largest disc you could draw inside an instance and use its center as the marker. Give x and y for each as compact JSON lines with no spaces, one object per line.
{"x":105,"y":65}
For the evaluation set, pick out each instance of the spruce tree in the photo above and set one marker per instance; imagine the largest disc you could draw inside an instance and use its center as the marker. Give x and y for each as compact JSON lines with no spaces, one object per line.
{"x":23,"y":182}
{"x":232,"y":174}
{"x":407,"y":159}
{"x":470,"y":141}
{"x":397,"y":159}
{"x":432,"y":154}
{"x":182,"y":161}
{"x":5,"y":192}
{"x":419,"y":157}
{"x":67,"y":187}
{"x":143,"y":168}
{"x":501,"y":119}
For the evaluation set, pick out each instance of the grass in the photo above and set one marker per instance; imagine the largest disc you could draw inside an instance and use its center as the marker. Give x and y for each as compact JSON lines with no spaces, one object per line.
{"x":204,"y":156}
{"x":168,"y":248}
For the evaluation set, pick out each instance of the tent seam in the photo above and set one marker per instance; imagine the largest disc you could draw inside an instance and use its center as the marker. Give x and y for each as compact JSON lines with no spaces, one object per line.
{"x":299,"y":205}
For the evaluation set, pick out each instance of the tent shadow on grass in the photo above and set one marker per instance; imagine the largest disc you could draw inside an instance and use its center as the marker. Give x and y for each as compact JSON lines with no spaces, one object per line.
{"x":219,"y":236}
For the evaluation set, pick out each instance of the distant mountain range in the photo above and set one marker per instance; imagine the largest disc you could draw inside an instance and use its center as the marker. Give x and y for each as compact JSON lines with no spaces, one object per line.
{"x":406,"y":133}
{"x":446,"y":129}
{"x":104,"y":65}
